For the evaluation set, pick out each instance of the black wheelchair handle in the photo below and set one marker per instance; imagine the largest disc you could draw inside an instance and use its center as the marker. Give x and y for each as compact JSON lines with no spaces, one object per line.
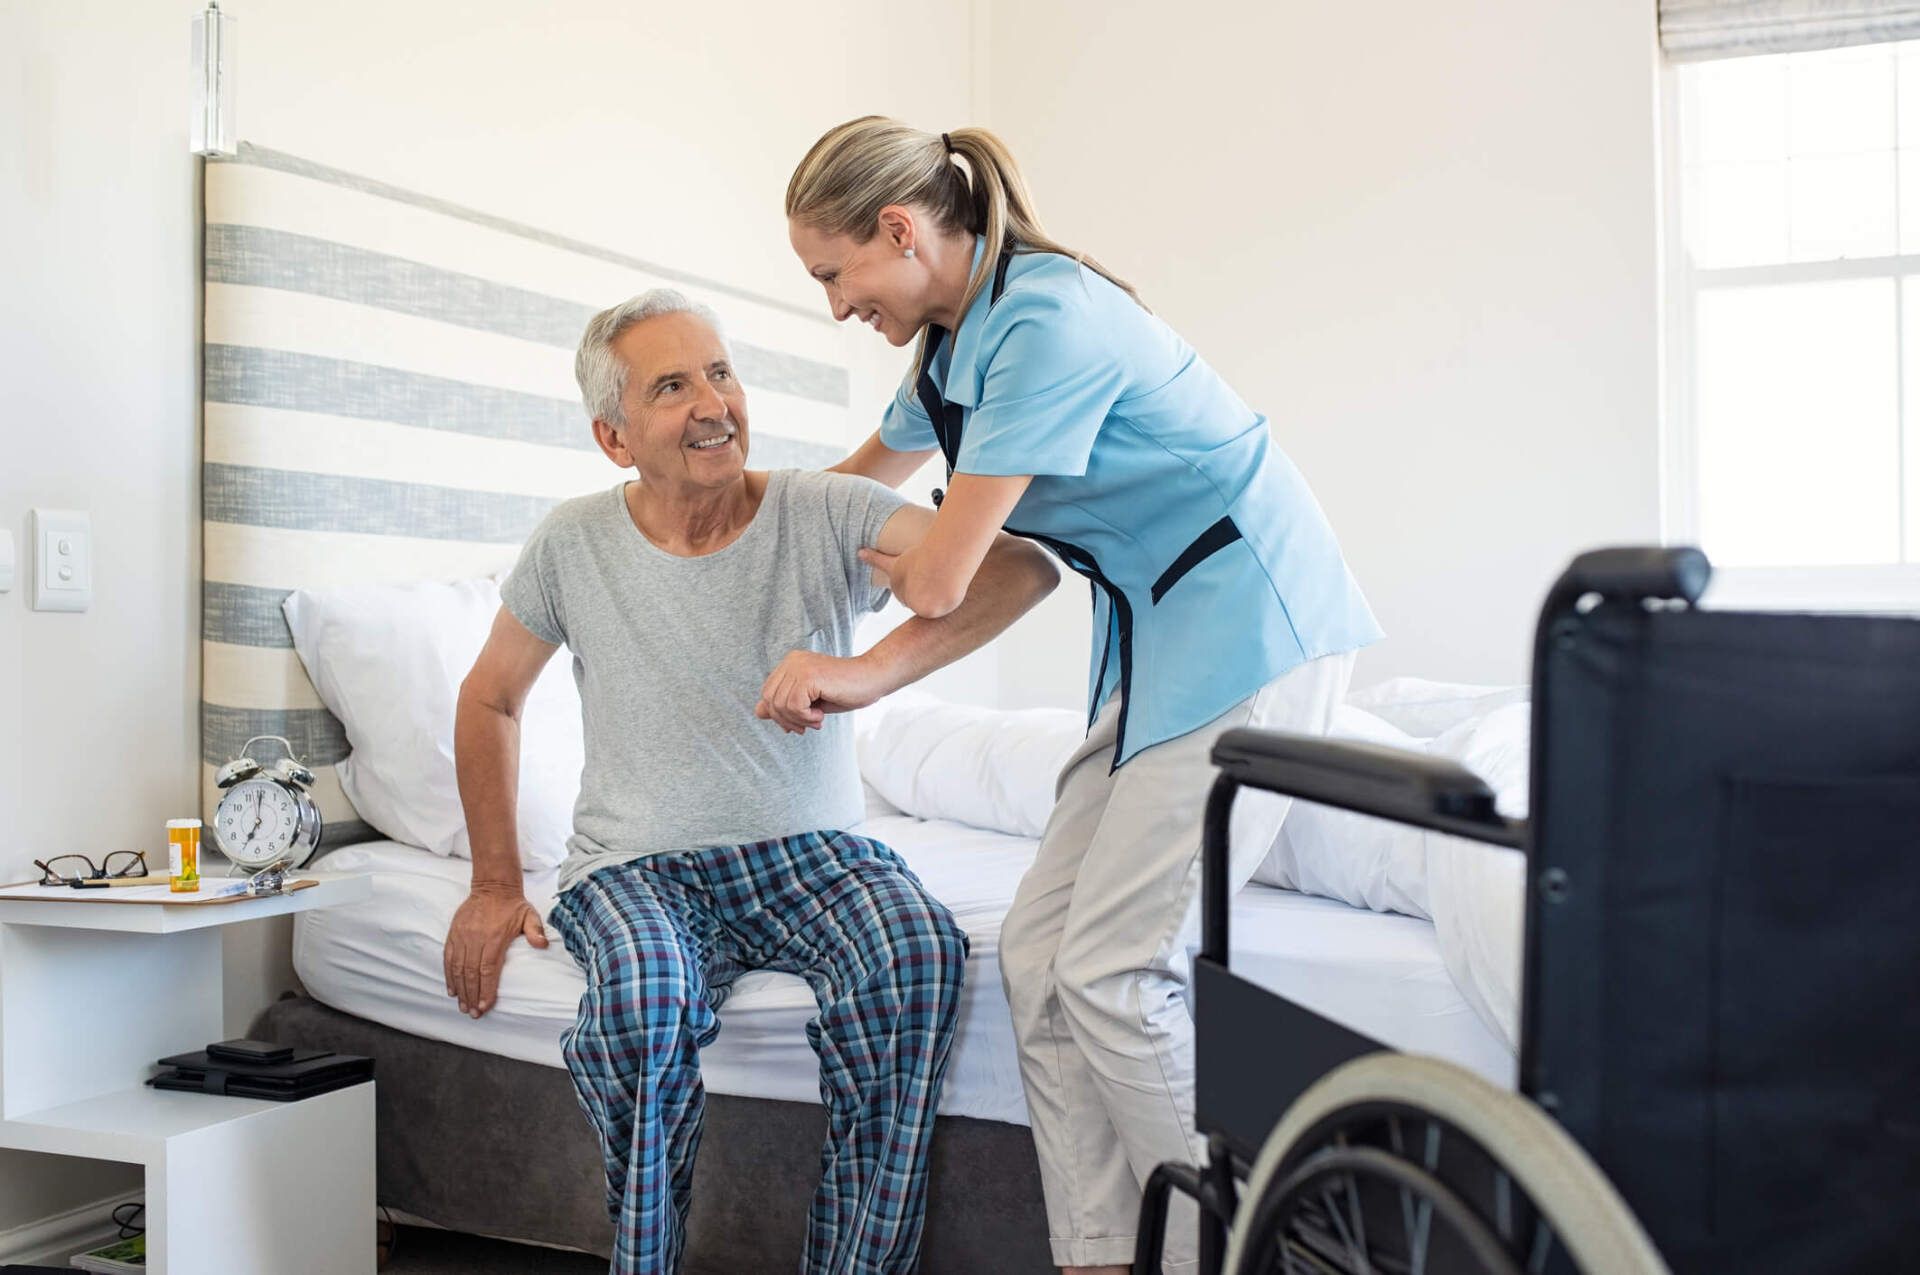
{"x":1636,"y":574}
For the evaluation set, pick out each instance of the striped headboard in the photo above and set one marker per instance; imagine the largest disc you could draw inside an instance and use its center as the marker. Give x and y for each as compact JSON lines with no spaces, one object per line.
{"x":389,"y":396}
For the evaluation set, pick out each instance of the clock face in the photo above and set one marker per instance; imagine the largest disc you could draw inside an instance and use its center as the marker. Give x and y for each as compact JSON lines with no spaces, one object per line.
{"x":257,"y":821}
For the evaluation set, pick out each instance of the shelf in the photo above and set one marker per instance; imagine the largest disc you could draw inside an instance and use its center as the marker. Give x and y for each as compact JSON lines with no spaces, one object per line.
{"x":172,"y":918}
{"x":128,"y":1124}
{"x":91,"y":994}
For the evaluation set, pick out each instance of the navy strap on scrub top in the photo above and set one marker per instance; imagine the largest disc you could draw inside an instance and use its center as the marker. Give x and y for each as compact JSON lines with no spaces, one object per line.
{"x":1147,"y":470}
{"x":950,"y":422}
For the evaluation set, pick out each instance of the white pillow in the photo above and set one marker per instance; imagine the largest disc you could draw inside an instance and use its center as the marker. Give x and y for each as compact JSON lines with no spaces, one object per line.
{"x":1340,"y":854}
{"x":984,"y":767}
{"x":1426,"y":709}
{"x":388,"y":660}
{"x":1494,"y":746}
{"x":1375,"y":863}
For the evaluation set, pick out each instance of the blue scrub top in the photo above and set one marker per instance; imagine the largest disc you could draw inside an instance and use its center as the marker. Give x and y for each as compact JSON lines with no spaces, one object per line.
{"x":1212,"y":566}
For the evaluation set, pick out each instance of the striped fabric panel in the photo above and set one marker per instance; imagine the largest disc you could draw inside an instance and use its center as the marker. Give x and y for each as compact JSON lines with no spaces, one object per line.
{"x":389,"y":396}
{"x":446,"y":217}
{"x":253,"y":256}
{"x":416,"y":231}
{"x":283,"y":379}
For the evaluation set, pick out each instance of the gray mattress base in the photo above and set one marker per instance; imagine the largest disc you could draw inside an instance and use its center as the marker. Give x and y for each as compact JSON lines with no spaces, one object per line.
{"x":496,"y":1146}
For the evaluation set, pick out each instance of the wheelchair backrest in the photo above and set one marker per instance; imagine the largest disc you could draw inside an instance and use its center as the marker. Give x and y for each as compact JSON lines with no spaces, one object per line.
{"x":1723,"y":923}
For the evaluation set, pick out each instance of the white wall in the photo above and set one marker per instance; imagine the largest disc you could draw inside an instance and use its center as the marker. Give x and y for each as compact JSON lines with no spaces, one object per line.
{"x":98,"y":402}
{"x":1420,"y":237}
{"x":665,"y":131}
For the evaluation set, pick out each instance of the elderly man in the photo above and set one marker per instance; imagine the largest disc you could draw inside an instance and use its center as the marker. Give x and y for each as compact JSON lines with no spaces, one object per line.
{"x":709,"y":610}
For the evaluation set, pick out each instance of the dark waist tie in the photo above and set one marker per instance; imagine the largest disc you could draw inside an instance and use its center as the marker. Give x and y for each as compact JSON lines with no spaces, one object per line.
{"x":1209,"y":542}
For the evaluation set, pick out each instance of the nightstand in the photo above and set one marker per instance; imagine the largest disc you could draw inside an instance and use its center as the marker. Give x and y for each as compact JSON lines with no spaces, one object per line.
{"x":91,"y":995}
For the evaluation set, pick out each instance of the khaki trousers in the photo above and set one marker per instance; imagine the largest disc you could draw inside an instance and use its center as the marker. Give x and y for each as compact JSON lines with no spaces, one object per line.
{"x":1094,"y":958}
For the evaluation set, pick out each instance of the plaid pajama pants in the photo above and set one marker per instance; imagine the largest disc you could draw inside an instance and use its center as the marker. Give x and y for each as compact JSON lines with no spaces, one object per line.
{"x":662,"y":939}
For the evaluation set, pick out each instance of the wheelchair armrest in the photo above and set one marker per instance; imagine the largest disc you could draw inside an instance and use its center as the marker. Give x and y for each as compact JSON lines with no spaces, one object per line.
{"x":1410,"y":788}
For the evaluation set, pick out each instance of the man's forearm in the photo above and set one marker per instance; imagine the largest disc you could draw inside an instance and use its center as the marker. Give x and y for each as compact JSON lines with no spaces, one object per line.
{"x":1011,"y":580}
{"x":486,"y":761}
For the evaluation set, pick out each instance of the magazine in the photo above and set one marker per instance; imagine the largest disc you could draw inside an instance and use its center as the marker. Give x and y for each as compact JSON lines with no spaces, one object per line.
{"x":121,"y":1255}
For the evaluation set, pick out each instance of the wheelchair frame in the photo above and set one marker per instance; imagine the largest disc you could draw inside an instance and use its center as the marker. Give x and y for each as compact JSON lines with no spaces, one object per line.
{"x":1256,"y":1051}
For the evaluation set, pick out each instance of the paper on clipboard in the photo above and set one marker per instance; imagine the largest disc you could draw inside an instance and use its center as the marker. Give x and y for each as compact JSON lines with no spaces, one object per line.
{"x":212,"y":890}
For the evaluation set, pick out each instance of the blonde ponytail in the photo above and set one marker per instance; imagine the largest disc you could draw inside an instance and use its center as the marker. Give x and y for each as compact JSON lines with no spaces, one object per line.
{"x":860,"y":167}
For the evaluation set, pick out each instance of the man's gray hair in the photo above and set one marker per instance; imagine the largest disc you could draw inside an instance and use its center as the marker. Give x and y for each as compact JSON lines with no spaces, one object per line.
{"x":602,"y":373}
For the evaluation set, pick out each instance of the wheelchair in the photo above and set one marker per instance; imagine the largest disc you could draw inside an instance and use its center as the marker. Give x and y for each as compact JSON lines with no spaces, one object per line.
{"x":1719,"y":1062}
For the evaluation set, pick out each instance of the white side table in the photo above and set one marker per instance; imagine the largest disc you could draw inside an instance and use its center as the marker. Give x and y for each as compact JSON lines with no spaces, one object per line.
{"x":91,"y":995}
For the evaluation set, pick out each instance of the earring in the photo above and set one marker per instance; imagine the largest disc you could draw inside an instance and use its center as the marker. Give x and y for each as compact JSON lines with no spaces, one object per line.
{"x":908,"y":254}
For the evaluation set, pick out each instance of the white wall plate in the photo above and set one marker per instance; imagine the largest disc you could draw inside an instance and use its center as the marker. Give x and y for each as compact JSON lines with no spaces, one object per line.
{"x":62,"y":560}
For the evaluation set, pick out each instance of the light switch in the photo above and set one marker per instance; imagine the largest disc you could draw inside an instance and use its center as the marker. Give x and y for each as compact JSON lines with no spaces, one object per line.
{"x":63,"y":560}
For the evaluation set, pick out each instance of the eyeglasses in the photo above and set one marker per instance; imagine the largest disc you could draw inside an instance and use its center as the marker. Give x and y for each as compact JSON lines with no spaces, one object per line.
{"x":66,"y":869}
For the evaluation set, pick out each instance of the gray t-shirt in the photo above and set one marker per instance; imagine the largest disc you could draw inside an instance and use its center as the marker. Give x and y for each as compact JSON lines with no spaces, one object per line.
{"x":670,"y":654}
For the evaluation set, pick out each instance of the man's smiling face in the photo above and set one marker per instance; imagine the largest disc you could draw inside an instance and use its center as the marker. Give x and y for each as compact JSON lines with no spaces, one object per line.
{"x":686,"y":414}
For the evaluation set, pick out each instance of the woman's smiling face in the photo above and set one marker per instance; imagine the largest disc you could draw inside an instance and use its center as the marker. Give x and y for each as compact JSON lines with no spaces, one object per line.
{"x":875,"y":282}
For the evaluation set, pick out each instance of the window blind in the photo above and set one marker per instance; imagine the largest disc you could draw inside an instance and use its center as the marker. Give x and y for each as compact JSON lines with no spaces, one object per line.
{"x":1697,"y":30}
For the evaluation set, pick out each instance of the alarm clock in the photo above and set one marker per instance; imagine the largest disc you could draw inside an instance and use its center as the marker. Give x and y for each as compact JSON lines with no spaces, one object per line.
{"x":265,"y":815}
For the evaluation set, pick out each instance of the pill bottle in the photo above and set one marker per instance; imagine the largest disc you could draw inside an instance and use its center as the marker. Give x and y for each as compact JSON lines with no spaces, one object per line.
{"x":183,"y":855}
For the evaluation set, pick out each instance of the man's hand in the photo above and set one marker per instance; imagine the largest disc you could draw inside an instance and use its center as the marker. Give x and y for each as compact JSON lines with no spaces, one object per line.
{"x":807,"y":685}
{"x":485,"y":926}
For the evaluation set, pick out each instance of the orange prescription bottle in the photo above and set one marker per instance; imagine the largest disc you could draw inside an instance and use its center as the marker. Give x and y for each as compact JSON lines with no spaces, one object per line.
{"x":183,"y":855}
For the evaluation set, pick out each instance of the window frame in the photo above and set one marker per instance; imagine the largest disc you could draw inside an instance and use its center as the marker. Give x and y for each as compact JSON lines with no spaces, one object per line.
{"x":1883,"y":587}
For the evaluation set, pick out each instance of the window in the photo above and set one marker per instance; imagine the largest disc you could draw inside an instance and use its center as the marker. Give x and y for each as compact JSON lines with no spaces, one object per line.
{"x":1793,"y":424}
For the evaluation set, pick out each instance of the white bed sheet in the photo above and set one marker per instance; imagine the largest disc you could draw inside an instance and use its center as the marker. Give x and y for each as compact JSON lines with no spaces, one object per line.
{"x":381,"y":960}
{"x":1378,"y":973}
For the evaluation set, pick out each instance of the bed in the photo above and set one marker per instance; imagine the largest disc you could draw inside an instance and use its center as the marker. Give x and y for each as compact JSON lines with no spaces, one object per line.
{"x":478,"y":1126}
{"x":380,"y":963}
{"x":464,"y":1094}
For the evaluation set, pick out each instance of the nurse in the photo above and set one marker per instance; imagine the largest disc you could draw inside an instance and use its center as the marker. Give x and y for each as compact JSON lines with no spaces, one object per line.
{"x":1065,"y":412}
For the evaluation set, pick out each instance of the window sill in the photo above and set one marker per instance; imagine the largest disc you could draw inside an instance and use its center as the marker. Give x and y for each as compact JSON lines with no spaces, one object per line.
{"x":1877,"y":589}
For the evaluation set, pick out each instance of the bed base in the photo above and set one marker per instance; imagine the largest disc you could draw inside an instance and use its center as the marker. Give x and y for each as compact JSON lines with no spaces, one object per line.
{"x":474,"y":1142}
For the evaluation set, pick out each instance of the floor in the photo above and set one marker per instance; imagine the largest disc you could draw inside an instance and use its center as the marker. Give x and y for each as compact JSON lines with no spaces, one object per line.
{"x":424,"y":1251}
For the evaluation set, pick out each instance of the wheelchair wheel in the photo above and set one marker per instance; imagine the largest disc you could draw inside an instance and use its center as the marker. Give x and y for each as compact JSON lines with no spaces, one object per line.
{"x":1400,"y":1164}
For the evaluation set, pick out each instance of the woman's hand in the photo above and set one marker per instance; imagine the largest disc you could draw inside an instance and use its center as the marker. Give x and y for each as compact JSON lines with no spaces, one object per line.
{"x":930,"y":558}
{"x":911,"y":585}
{"x":806,"y":686}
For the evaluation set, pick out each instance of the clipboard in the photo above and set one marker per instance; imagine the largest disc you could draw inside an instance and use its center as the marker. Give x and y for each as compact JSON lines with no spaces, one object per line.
{"x":148,"y":894}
